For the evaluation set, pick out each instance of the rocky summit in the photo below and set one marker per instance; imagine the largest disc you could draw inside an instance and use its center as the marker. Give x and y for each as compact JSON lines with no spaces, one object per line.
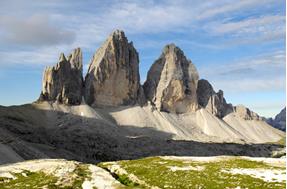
{"x":113,"y":77}
{"x":245,"y":113}
{"x":279,"y":121}
{"x":172,"y":82}
{"x":63,"y":83}
{"x":210,"y":100}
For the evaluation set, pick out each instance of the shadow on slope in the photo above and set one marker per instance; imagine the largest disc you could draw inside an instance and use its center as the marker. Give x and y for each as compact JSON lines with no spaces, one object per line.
{"x":36,"y":134}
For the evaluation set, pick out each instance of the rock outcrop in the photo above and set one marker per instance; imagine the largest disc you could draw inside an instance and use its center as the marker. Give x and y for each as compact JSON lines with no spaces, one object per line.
{"x":245,"y":113}
{"x":213,"y":102}
{"x":279,"y":121}
{"x":113,"y":77}
{"x":63,"y":83}
{"x":172,"y":81}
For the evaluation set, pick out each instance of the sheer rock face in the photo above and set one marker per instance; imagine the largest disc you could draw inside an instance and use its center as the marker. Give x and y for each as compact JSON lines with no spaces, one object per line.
{"x":245,"y":113}
{"x":63,"y":83}
{"x":113,"y":76}
{"x":172,"y":81}
{"x":214,"y":102}
{"x":280,"y":120}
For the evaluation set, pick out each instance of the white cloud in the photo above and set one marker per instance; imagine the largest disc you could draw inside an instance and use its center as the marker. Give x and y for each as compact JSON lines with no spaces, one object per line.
{"x":251,"y":25}
{"x":41,"y":56}
{"x":135,"y":18}
{"x":62,"y":27}
{"x":33,"y":31}
{"x":256,"y":30}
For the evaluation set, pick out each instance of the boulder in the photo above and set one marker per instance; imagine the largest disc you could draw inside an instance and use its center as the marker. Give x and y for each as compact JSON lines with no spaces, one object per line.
{"x":113,"y":76}
{"x":172,"y":81}
{"x":63,"y":83}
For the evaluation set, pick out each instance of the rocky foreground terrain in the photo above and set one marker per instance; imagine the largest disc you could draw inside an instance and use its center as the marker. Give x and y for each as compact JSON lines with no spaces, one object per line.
{"x":108,"y":115}
{"x":153,"y":172}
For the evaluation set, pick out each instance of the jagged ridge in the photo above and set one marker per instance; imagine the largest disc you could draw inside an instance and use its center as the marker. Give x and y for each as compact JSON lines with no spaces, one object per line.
{"x":113,"y":79}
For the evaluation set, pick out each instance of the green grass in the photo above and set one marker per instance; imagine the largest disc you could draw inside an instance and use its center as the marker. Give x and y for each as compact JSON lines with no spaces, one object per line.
{"x":39,"y":180}
{"x":82,"y":172}
{"x":282,"y":141}
{"x":155,"y":172}
{"x":124,"y":179}
{"x":31,"y":180}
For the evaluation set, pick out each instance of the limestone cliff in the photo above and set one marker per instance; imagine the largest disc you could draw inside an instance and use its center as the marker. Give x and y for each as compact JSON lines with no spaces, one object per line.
{"x":63,"y":83}
{"x":214,"y":102}
{"x":113,"y":77}
{"x":172,"y":81}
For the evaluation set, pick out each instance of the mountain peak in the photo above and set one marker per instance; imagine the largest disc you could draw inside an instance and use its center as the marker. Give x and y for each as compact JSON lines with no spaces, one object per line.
{"x":113,"y":77}
{"x":172,"y":81}
{"x":62,"y":57}
{"x":118,"y":33}
{"x":76,"y":58}
{"x":63,"y":83}
{"x":245,"y":113}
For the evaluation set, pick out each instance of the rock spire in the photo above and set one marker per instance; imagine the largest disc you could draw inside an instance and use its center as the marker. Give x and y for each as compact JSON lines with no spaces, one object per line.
{"x":63,"y":83}
{"x":172,"y":81}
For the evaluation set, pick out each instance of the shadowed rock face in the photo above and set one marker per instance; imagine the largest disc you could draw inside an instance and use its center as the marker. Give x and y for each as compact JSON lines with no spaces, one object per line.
{"x":172,"y":81}
{"x":280,"y":120}
{"x":113,"y":76}
{"x":212,"y":101}
{"x":63,"y":83}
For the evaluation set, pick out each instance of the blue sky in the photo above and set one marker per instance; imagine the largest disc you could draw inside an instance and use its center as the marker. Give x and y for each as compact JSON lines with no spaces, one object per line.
{"x":239,"y":46}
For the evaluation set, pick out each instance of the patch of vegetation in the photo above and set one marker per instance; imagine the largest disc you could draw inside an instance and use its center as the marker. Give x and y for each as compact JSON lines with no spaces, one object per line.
{"x":83,"y":173}
{"x":28,"y":179}
{"x":123,"y":179}
{"x":156,"y":171}
{"x":282,"y":141}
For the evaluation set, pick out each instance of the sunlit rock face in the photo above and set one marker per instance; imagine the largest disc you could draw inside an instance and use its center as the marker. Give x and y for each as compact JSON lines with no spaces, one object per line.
{"x":63,"y":83}
{"x":172,"y":81}
{"x":245,"y":113}
{"x":113,"y":76}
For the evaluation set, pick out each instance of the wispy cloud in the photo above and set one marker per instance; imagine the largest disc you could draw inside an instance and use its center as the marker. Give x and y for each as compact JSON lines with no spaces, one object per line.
{"x":251,"y":25}
{"x":33,"y":31}
{"x":212,"y":9}
{"x":89,"y":26}
{"x":264,"y":28}
{"x":40,"y":57}
{"x":265,"y":72}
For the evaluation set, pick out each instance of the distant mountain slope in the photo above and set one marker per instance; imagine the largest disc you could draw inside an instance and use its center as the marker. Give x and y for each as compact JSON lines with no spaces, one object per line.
{"x":94,"y":134}
{"x":279,"y":121}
